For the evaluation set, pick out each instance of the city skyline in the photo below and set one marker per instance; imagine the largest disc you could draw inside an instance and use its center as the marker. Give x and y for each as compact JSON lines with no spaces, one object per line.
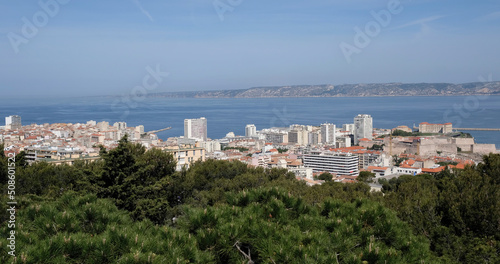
{"x":246,"y":44}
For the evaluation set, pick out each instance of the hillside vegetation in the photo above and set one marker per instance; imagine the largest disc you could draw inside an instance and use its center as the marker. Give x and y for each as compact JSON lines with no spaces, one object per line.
{"x":348,"y":90}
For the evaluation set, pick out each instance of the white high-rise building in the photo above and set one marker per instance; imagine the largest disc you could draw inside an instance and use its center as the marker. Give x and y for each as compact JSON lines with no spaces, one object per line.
{"x":314,"y":137}
{"x":300,"y":137}
{"x":250,"y":130}
{"x":13,"y":122}
{"x":140,"y":129}
{"x":363,"y":127}
{"x":328,"y":133}
{"x":195,"y":129}
{"x":120,"y":125}
{"x":348,"y":127}
{"x":103,"y":126}
{"x":211,"y":146}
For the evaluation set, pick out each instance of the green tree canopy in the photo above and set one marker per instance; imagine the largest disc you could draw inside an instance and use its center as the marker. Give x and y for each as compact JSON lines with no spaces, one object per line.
{"x":366,"y":176}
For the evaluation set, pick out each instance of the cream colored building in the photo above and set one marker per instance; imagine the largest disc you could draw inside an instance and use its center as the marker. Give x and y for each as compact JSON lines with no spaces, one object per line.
{"x":402,"y":128}
{"x":58,"y":155}
{"x":186,"y":155}
{"x":435,"y":128}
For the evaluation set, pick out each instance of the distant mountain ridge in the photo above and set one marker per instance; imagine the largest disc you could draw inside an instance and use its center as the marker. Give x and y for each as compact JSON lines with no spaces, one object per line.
{"x":347,"y":90}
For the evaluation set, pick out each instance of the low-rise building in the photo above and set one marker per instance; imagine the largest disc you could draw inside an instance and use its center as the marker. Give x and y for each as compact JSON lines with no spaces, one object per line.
{"x":426,"y":127}
{"x":186,"y":155}
{"x":407,"y":170}
{"x":57,"y":155}
{"x":379,"y":171}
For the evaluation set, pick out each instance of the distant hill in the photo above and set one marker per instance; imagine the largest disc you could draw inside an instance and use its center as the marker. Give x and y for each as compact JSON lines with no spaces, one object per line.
{"x":347,"y":90}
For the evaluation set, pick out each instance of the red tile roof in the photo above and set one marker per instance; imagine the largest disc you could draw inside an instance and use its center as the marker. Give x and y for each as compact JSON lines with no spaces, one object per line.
{"x":435,"y":170}
{"x":370,"y":168}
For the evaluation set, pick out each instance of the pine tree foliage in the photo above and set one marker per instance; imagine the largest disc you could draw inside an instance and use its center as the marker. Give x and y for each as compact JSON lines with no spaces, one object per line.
{"x":133,"y":207}
{"x":86,"y":229}
{"x":272,"y":226}
{"x":458,"y":212}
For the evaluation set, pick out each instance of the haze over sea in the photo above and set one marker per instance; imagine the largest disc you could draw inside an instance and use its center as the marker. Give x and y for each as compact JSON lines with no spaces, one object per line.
{"x":225,"y":115}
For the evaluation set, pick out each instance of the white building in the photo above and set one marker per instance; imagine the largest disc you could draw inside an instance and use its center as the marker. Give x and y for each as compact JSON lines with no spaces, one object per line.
{"x":333,"y":162}
{"x":300,"y":137}
{"x":314,"y":138}
{"x":302,"y":172}
{"x":211,"y":146}
{"x":13,"y":122}
{"x":103,"y":126}
{"x":328,"y":133}
{"x":343,"y":142}
{"x":363,"y":128}
{"x":250,"y":130}
{"x":279,"y":137}
{"x":120,"y":125}
{"x":140,"y":129}
{"x":348,"y":127}
{"x":409,"y":171}
{"x":196,"y":129}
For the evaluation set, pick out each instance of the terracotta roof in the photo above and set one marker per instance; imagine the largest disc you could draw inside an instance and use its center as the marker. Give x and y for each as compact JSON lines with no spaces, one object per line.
{"x":370,"y":168}
{"x":427,"y":123}
{"x":459,"y":166}
{"x":435,"y":170}
{"x":347,"y":149}
{"x":348,"y":181}
{"x":294,"y":162}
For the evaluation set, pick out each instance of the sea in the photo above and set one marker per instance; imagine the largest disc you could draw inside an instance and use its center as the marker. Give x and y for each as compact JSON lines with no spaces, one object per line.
{"x":233,"y":114}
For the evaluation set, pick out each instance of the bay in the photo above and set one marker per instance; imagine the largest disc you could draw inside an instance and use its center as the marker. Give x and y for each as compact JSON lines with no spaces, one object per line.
{"x":232,"y":114}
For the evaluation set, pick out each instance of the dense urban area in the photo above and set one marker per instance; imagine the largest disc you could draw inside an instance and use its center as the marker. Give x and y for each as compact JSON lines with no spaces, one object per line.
{"x":304,"y":150}
{"x":100,"y":193}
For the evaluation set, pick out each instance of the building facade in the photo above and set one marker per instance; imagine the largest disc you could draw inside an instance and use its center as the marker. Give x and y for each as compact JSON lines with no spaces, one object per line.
{"x":363,"y":128}
{"x":314,"y":137}
{"x":348,"y":127}
{"x":250,"y":130}
{"x":435,"y":128}
{"x":276,"y":137}
{"x":120,"y":125}
{"x":328,"y":133}
{"x":332,"y":162}
{"x":196,"y":129}
{"x":300,"y":137}
{"x":13,"y":122}
{"x":186,"y":155}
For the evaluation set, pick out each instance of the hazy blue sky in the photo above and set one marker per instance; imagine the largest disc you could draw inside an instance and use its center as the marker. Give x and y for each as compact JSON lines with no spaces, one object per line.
{"x":104,"y":47}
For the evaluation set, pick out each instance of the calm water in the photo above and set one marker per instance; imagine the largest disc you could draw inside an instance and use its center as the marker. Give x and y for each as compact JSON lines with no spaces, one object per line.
{"x":225,"y":115}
